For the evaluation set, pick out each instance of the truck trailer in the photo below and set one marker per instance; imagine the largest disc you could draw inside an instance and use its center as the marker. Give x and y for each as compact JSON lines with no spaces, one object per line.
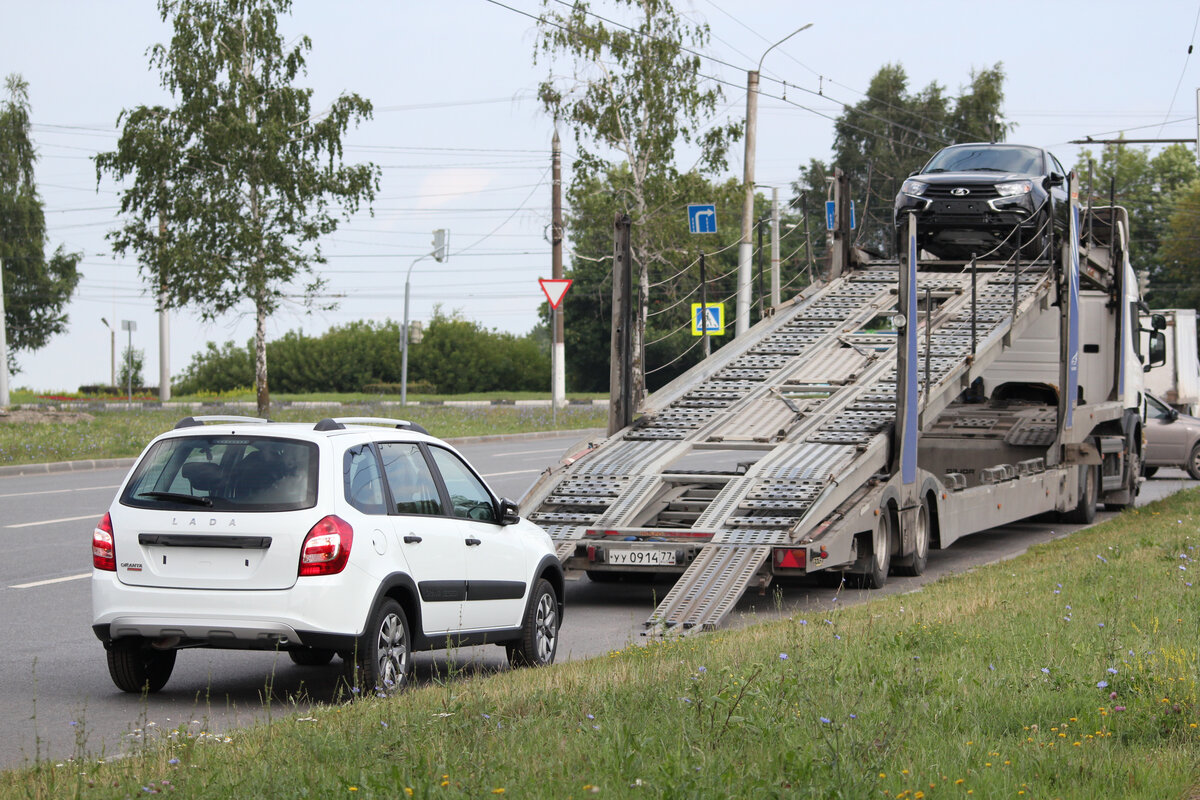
{"x":1177,"y":381}
{"x":890,"y":408}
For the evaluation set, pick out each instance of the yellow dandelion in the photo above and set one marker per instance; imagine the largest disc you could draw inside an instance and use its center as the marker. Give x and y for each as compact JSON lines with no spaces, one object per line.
{"x":408,"y":791}
{"x":883,"y":774}
{"x":959,"y":782}
{"x":498,"y":790}
{"x":903,"y":772}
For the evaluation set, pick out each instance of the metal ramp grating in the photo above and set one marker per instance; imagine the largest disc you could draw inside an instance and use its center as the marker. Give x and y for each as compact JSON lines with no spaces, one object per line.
{"x":724,"y":503}
{"x":812,"y":462}
{"x":631,"y":499}
{"x":624,"y":458}
{"x":710,"y":588}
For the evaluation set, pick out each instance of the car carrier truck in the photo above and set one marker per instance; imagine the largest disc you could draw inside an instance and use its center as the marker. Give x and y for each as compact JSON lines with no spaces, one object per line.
{"x":890,"y":408}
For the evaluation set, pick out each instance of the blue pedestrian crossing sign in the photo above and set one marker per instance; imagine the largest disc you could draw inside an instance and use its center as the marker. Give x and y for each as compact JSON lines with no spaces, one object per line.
{"x":702,"y":218}
{"x":831,"y":215}
{"x":708,"y":318}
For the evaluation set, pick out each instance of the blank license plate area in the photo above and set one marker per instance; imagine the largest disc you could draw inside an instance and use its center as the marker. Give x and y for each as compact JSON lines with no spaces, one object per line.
{"x":641,"y":557}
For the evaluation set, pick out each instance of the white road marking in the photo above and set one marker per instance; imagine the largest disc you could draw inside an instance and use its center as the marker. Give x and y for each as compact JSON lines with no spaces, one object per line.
{"x":61,"y":491}
{"x":95,"y":516}
{"x":530,"y":452}
{"x":79,"y":577}
{"x":511,"y":472}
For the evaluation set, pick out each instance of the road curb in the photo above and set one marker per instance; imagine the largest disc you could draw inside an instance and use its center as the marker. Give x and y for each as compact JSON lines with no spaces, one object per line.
{"x":87,"y":465}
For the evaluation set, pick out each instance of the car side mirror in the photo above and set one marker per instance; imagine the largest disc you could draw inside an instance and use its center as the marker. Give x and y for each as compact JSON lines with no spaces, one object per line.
{"x":1174,"y":414}
{"x":1055,"y":179}
{"x":1158,"y":322}
{"x":510,"y":513}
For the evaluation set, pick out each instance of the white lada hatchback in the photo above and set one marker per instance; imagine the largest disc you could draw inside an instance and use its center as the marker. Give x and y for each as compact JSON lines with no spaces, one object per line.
{"x":363,"y":538}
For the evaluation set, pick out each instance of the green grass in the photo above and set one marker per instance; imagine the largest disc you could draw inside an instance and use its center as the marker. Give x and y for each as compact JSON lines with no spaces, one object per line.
{"x":114,"y":434}
{"x":1070,"y":672}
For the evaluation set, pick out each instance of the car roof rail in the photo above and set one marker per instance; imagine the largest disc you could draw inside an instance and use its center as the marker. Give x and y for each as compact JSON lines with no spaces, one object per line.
{"x":192,"y":422}
{"x":339,"y":423}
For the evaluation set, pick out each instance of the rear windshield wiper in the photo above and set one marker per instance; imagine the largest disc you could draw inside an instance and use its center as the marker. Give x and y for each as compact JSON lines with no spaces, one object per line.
{"x":183,"y":498}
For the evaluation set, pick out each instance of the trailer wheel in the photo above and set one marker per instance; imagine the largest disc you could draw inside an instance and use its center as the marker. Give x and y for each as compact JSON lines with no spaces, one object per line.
{"x":913,"y":564}
{"x":1085,"y":512}
{"x":880,"y":557}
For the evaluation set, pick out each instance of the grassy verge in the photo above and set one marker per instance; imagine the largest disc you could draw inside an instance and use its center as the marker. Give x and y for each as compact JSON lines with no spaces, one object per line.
{"x":1070,"y":672}
{"x":114,"y":434}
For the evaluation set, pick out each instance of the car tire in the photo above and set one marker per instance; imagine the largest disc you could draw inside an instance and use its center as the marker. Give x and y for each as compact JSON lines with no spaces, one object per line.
{"x":137,"y":667}
{"x":311,"y":656}
{"x":539,"y":631}
{"x":1148,"y":472}
{"x":1193,"y":462}
{"x":382,"y":660}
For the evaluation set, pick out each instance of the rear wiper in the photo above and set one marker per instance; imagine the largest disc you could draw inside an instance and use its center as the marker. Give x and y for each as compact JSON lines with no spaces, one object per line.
{"x":183,"y":498}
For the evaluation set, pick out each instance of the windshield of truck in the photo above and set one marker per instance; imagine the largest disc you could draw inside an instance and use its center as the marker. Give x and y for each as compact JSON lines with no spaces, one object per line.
{"x":988,"y":158}
{"x":226,"y":473}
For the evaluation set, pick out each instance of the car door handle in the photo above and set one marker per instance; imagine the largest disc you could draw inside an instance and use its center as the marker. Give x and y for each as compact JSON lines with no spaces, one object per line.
{"x":474,"y":542}
{"x":412,"y":539}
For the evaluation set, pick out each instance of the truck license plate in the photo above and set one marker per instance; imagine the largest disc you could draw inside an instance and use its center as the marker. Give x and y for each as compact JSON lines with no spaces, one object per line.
{"x":646,"y":558}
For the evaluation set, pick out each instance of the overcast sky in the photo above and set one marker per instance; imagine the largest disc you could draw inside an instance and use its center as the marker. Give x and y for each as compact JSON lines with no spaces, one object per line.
{"x":464,"y":145}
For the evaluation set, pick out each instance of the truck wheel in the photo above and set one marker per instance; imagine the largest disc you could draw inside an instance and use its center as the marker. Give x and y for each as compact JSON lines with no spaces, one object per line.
{"x":881,"y":556}
{"x":913,"y":564}
{"x":135,"y":666}
{"x":1148,"y":472}
{"x":539,"y":632}
{"x":1085,"y":512}
{"x":311,"y":657}
{"x":1193,"y":464}
{"x":383,"y":656}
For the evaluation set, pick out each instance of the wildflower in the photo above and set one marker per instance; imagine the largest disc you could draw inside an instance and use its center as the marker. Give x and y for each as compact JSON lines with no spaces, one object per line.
{"x":1046,"y":670}
{"x":498,"y":790}
{"x":992,"y":667}
{"x":701,"y":669}
{"x":1102,"y":558}
{"x":826,"y":720}
{"x":1101,"y":624}
{"x":173,"y":761}
{"x":592,"y":716}
{"x":783,"y":656}
{"x":1102,"y":685}
{"x":1111,"y":670}
{"x":1118,"y":708}
{"x":803,"y":622}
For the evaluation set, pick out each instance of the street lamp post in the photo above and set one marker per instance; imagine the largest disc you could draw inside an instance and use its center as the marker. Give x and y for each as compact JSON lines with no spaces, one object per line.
{"x":441,"y":249}
{"x":112,"y":353}
{"x":745,"y":249}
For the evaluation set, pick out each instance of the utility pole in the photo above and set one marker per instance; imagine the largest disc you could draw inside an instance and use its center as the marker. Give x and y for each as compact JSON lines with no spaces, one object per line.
{"x":164,"y":325}
{"x":558,"y":378}
{"x":112,"y":352}
{"x":4,"y":402}
{"x":620,"y":371}
{"x":775,"y":279}
{"x":745,"y":248}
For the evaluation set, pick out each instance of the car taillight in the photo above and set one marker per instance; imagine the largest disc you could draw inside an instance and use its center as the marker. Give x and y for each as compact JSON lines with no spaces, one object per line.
{"x":326,"y":548}
{"x":104,"y":554}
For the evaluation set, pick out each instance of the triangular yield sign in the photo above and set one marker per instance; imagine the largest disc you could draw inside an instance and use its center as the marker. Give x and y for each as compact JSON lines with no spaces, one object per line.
{"x":555,"y":289}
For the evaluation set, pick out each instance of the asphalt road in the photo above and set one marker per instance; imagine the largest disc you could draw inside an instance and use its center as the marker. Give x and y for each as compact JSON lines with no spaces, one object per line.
{"x":56,"y":697}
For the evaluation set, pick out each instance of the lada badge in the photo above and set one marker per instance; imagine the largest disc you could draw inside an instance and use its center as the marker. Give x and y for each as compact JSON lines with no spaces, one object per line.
{"x":960,"y":192}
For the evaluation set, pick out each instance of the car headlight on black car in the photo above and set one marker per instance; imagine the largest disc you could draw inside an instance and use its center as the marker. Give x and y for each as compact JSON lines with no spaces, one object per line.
{"x":1014,"y":188}
{"x":915,"y":188}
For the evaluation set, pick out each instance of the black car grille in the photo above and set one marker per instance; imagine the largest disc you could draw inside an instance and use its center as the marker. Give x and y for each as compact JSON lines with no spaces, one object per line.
{"x":946,"y":192}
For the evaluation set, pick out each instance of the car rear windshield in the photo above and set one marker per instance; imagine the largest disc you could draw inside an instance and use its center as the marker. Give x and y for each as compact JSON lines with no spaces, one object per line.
{"x":226,"y":473}
{"x":990,"y":158}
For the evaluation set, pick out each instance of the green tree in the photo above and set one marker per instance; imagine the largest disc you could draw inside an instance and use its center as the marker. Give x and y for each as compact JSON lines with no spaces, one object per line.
{"x":1179,"y":253}
{"x":130,"y":374}
{"x":35,"y":289}
{"x":880,"y":140}
{"x":1149,"y":187}
{"x":636,"y":92}
{"x":228,"y":193}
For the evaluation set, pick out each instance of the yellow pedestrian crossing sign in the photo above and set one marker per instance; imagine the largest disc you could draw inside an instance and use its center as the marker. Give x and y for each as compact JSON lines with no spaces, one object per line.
{"x":708,"y":318}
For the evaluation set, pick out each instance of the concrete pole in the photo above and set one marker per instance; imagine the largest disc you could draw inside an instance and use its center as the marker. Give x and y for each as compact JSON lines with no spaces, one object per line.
{"x":4,"y":399}
{"x":775,"y":277}
{"x":558,"y":380}
{"x":745,"y":248}
{"x":164,"y":331}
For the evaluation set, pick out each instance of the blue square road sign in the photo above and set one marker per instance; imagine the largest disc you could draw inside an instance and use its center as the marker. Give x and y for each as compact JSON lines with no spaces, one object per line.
{"x":702,"y":218}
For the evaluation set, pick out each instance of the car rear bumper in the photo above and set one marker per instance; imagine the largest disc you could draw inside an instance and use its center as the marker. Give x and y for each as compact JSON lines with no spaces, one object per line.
{"x":314,"y":610}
